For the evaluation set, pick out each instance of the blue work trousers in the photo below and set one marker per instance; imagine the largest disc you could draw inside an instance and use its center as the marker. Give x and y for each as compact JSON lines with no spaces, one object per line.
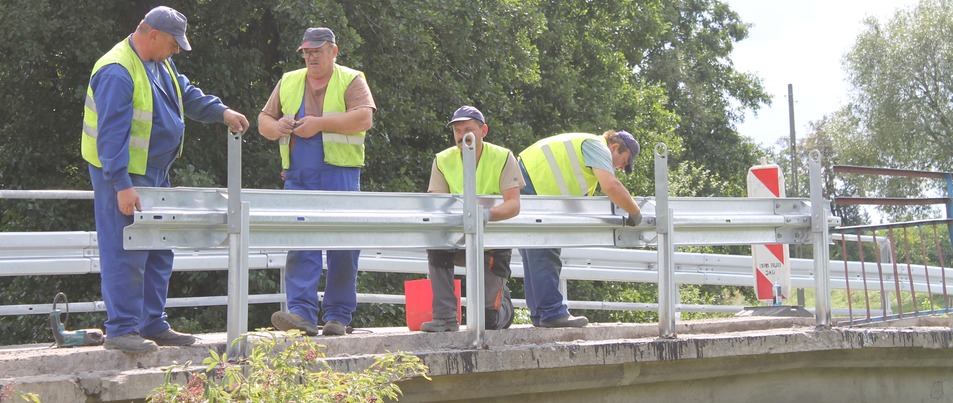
{"x":541,"y":269}
{"x":135,"y":283}
{"x":303,"y":268}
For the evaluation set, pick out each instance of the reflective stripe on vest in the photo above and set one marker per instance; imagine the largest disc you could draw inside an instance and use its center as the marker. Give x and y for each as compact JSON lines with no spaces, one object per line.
{"x":345,"y":150}
{"x":489,"y":168}
{"x":140,"y":129}
{"x":555,"y":165}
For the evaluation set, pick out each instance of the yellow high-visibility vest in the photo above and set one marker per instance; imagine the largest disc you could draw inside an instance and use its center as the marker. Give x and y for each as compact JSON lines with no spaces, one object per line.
{"x":141,"y":127}
{"x":343,"y":150}
{"x":488,"y":170}
{"x":556,"y":168}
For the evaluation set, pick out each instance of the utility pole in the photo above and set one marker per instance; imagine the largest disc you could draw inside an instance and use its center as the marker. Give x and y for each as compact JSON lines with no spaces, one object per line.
{"x":794,"y":181}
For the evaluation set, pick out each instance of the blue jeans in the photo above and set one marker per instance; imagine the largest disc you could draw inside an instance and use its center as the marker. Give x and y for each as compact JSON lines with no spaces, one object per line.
{"x":303,"y":269}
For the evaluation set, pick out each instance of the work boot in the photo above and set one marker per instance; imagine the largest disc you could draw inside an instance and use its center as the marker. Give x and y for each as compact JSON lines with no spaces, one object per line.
{"x":172,"y":338}
{"x":285,"y":321}
{"x":130,"y":343}
{"x":334,"y":328}
{"x":565,"y":321}
{"x":440,"y":325}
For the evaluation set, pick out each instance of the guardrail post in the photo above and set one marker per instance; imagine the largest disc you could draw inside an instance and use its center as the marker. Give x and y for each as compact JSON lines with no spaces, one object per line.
{"x":664,"y":226}
{"x":822,"y":297}
{"x":238,"y":233}
{"x":473,"y":233}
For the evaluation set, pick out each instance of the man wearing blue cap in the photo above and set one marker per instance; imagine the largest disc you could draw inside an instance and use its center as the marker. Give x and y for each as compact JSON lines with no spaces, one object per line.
{"x":497,"y":173}
{"x":571,"y":164}
{"x":318,"y":115}
{"x":133,"y":129}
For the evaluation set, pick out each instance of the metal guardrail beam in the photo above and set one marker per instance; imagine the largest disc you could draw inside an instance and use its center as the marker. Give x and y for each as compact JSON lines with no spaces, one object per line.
{"x":279,"y":219}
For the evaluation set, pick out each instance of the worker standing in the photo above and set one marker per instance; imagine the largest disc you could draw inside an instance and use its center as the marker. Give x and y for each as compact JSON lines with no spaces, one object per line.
{"x":319,"y":115}
{"x":133,"y":130}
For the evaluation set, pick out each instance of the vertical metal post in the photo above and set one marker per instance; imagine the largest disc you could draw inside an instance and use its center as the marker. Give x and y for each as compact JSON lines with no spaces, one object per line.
{"x":473,"y":233}
{"x":238,"y":226}
{"x":795,"y":183}
{"x":822,"y":297}
{"x":949,"y":203}
{"x":666,"y":246}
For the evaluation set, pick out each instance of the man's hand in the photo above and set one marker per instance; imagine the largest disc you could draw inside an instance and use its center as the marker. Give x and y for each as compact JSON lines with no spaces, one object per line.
{"x":128,"y":200}
{"x":486,"y":216}
{"x":236,"y":121}
{"x":633,"y":220}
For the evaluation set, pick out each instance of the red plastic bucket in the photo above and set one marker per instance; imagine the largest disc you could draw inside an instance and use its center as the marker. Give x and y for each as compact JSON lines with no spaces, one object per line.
{"x":419,"y":302}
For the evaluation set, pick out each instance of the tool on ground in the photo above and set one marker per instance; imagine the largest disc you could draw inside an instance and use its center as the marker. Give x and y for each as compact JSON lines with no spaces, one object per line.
{"x":74,"y":338}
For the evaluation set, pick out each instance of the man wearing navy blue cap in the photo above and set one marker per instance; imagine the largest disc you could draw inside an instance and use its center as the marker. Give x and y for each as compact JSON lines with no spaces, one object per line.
{"x":571,"y":164}
{"x":319,"y":115}
{"x":497,"y":173}
{"x":133,"y":129}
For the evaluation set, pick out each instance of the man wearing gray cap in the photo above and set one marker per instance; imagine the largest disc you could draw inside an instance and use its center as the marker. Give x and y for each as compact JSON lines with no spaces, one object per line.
{"x":497,"y":173}
{"x":133,"y":129}
{"x":318,"y":115}
{"x":571,"y":164}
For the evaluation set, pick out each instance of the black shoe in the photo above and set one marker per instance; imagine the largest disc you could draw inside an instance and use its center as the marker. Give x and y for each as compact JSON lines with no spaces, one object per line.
{"x":566,"y":321}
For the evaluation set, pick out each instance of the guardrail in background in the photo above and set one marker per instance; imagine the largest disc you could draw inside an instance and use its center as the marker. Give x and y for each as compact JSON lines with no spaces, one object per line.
{"x":73,"y":253}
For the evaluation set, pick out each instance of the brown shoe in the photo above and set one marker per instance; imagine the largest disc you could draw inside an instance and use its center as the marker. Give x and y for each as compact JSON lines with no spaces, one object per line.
{"x":285,"y":321}
{"x":172,"y":338}
{"x":130,"y":343}
{"x":440,"y":325}
{"x":334,"y":328}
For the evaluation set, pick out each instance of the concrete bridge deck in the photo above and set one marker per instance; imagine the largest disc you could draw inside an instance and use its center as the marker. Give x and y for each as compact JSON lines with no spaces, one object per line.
{"x":729,"y":360}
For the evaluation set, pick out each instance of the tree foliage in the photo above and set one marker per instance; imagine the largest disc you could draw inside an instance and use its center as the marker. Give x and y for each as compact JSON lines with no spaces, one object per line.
{"x":659,"y":69}
{"x":901,"y":70}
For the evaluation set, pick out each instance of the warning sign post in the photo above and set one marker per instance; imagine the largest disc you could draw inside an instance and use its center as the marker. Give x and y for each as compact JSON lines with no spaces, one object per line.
{"x":772,"y":265}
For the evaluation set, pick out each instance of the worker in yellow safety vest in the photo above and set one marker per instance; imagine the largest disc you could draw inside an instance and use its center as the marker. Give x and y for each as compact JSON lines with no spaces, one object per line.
{"x":319,"y":115}
{"x":571,"y":164}
{"x":133,"y":130}
{"x":497,"y":173}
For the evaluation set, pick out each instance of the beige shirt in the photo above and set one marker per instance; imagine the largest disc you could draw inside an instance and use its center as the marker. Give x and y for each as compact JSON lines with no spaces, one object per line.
{"x":358,"y":95}
{"x":511,"y":177}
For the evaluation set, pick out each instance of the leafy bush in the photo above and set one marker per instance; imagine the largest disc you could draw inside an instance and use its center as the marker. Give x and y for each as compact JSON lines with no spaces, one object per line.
{"x":274,"y":372}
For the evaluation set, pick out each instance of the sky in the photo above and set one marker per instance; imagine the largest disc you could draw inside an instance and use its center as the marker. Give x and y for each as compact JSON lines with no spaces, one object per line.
{"x":801,"y":43}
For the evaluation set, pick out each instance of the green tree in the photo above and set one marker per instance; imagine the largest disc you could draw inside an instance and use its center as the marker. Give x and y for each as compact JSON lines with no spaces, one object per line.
{"x":691,"y":60}
{"x":536,"y":68}
{"x":901,"y":71}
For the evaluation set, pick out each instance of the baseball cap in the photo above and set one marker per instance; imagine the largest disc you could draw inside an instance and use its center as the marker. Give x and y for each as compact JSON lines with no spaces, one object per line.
{"x":316,"y":37}
{"x":172,"y":22}
{"x":467,"y":112}
{"x":634,"y":148}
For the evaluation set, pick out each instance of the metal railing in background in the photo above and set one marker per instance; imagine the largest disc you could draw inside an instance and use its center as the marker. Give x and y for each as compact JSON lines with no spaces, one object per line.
{"x":907,"y":275}
{"x":898,"y":251}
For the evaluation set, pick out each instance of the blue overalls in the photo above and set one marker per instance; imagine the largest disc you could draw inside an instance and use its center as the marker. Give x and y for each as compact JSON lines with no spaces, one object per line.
{"x":308,"y":171}
{"x":135,"y":283}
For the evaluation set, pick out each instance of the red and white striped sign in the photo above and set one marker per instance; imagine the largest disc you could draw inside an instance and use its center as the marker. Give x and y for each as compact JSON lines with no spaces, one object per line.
{"x":772,"y":261}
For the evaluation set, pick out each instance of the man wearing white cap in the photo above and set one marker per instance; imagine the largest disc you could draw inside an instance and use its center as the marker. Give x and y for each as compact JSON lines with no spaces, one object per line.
{"x":133,"y":130}
{"x":319,"y":115}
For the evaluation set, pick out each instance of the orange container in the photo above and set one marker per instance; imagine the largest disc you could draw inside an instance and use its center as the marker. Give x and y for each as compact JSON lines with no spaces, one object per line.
{"x":419,"y":302}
